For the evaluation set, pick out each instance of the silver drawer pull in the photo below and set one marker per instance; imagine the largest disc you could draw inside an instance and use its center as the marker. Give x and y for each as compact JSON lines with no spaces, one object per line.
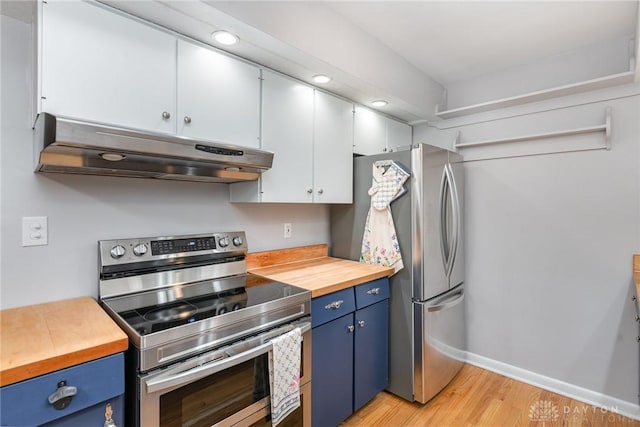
{"x":373,"y":291}
{"x":334,"y":305}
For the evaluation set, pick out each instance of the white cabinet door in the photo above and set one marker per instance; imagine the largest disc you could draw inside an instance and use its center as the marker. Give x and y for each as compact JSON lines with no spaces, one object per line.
{"x":100,"y":66}
{"x":370,"y":132}
{"x":398,"y":135}
{"x":287,"y":131}
{"x":333,"y":150}
{"x":218,"y":97}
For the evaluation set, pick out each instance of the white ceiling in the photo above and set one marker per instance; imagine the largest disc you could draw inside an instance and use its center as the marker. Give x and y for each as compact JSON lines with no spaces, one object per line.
{"x":404,"y":51}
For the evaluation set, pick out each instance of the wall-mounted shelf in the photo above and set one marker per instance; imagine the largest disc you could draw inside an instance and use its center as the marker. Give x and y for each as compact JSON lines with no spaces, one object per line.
{"x":606,"y":128}
{"x":587,"y":85}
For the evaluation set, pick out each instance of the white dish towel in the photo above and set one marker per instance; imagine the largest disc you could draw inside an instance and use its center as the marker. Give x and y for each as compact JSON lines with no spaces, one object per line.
{"x":284,"y":375}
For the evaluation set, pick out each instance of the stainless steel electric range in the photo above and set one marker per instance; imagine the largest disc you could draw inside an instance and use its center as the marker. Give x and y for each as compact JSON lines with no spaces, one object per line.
{"x":199,"y":329}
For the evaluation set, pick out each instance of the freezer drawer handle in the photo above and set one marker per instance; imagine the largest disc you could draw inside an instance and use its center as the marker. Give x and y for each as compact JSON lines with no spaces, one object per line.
{"x":459,"y":296}
{"x":374,"y":291}
{"x":334,"y":305}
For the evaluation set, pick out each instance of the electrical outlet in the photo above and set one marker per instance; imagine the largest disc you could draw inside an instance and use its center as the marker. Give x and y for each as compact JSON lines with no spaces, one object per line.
{"x":287,"y":230}
{"x":34,"y":231}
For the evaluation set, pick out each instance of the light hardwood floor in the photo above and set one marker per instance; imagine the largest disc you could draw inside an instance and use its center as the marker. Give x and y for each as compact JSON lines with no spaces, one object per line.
{"x":477,"y":397}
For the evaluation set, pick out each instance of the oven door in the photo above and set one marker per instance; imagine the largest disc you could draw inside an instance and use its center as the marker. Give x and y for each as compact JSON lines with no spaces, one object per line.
{"x":226,"y":387}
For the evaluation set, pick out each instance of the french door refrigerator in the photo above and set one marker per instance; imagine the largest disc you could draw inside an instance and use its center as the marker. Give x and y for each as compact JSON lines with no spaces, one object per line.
{"x":427,"y":333}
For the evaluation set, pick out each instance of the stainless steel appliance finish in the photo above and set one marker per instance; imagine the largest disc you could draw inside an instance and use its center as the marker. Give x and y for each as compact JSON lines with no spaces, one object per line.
{"x":72,"y":146}
{"x":219,"y":368}
{"x":427,"y":336}
{"x":199,"y":328}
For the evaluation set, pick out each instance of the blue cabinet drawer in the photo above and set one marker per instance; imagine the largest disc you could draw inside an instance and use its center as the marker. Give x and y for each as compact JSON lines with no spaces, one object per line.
{"x":372,"y":292}
{"x":332,"y":306}
{"x":98,"y":382}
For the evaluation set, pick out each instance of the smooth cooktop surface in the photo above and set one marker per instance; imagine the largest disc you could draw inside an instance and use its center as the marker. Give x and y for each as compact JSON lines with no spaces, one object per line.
{"x":163,"y":309}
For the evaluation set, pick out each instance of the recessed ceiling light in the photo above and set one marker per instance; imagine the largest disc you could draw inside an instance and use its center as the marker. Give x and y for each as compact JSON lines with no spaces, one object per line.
{"x":379,"y":103}
{"x":321,"y":78}
{"x":225,"y":37}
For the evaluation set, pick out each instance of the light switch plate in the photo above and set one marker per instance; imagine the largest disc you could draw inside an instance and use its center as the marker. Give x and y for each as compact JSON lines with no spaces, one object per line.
{"x":34,"y":231}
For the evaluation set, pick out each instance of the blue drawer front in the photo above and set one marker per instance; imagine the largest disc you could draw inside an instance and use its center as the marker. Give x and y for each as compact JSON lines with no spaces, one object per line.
{"x":372,"y":292}
{"x":26,"y":404}
{"x":332,"y":306}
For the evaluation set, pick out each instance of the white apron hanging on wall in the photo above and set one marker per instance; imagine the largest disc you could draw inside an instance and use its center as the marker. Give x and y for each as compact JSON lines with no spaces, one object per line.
{"x":379,"y":242}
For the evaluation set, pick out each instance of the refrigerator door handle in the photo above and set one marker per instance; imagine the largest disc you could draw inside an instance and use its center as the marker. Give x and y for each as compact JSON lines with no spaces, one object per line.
{"x":455,"y":299}
{"x":455,"y":205}
{"x":444,"y":232}
{"x":448,"y":219}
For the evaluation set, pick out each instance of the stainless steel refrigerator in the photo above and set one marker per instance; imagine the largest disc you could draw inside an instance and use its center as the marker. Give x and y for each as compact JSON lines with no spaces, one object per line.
{"x":427,"y":330}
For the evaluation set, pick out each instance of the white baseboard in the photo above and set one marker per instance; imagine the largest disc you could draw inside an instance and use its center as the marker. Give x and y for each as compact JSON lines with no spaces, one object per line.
{"x":611,"y":404}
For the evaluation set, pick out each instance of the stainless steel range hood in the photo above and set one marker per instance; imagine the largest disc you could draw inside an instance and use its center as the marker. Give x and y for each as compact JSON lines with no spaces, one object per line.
{"x":72,"y":146}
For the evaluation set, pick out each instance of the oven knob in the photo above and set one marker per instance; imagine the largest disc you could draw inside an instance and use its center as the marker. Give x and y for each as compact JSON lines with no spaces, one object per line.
{"x":223,"y":242}
{"x":237,"y":241}
{"x":140,"y":249}
{"x":117,"y":251}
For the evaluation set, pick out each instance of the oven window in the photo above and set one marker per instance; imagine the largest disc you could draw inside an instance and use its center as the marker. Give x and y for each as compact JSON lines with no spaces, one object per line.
{"x":294,"y":419}
{"x":216,"y":397}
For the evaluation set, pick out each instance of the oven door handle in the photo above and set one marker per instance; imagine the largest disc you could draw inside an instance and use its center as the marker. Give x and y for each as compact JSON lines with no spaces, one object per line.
{"x":168,"y":380}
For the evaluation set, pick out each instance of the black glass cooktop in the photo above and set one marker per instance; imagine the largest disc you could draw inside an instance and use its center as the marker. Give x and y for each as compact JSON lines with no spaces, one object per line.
{"x":159,"y":310}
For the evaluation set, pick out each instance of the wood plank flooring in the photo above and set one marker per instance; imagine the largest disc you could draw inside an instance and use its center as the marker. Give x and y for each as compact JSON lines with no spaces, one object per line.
{"x":477,"y":397}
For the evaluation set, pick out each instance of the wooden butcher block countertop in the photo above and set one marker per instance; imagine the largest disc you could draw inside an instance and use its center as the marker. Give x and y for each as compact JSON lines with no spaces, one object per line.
{"x":43,"y":338}
{"x":636,"y":273}
{"x":310,"y":267}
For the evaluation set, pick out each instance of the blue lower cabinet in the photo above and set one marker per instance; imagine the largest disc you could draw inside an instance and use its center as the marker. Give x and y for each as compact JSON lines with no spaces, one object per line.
{"x":371,"y":353}
{"x":90,"y":394}
{"x":350,"y":353}
{"x":332,"y":372}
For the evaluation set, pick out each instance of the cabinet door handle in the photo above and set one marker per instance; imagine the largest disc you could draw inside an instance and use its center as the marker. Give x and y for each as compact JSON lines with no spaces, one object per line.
{"x":350,"y":328}
{"x":320,"y":191}
{"x":310,"y":190}
{"x":61,"y":398}
{"x":334,"y":305}
{"x":166,"y":115}
{"x":373,"y":291}
{"x":187,"y":119}
{"x":361,"y":323}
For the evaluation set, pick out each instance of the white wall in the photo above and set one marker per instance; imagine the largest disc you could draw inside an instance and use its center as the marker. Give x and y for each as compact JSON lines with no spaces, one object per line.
{"x":605,"y":58}
{"x":84,"y":209}
{"x":549,"y":247}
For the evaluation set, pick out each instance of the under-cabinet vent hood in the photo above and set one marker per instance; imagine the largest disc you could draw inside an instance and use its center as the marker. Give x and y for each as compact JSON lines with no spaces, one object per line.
{"x":71,"y":146}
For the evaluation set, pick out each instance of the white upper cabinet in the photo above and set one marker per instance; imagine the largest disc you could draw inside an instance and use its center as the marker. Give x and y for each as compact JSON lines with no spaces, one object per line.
{"x":100,"y":66}
{"x":287,"y":131}
{"x":333,"y":150}
{"x":218,"y":97}
{"x":375,"y":133}
{"x":311,"y":136}
{"x":370,"y":132}
{"x":398,"y":135}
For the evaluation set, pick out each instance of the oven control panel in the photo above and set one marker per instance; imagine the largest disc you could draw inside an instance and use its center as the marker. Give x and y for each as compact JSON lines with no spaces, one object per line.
{"x":124,"y":251}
